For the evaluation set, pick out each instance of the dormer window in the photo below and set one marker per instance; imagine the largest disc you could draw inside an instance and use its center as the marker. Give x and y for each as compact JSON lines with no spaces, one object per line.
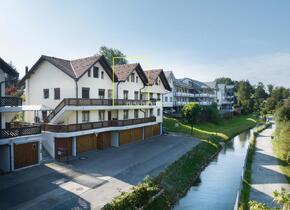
{"x":96,"y":72}
{"x":136,"y":79}
{"x":102,"y":75}
{"x":89,"y":73}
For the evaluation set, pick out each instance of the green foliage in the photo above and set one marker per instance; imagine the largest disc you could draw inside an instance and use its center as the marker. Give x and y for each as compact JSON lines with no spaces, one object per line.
{"x":224,"y":80}
{"x":282,"y":198}
{"x":191,"y":112}
{"x":210,"y":113}
{"x":110,"y":53}
{"x":135,"y":199}
{"x":255,"y":205}
{"x":244,"y":96}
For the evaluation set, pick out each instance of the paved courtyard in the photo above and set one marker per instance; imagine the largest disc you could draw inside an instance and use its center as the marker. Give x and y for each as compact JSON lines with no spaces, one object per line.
{"x":92,"y":182}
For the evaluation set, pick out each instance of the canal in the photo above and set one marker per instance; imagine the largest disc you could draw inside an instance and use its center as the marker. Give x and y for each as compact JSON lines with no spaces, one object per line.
{"x":219,"y":183}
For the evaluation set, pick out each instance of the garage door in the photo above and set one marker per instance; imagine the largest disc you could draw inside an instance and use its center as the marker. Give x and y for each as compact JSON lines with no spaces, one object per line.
{"x":153,"y":130}
{"x":131,"y":135}
{"x":86,"y":143}
{"x":104,"y":140}
{"x":63,"y":148}
{"x":25,"y":154}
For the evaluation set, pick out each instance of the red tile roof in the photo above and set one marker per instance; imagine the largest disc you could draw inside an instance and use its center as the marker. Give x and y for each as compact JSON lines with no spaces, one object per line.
{"x":153,"y":74}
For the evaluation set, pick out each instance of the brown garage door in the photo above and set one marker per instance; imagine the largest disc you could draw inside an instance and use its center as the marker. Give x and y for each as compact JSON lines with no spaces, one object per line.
{"x":130,"y":135}
{"x":63,"y":148}
{"x":86,"y":143}
{"x":25,"y":154}
{"x":153,"y":130}
{"x":104,"y":140}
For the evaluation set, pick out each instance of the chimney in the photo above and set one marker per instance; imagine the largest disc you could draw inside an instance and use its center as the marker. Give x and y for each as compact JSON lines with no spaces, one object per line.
{"x":26,"y":69}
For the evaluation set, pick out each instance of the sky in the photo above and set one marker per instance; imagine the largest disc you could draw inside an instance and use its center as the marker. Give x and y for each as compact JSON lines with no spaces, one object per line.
{"x":200,"y":39}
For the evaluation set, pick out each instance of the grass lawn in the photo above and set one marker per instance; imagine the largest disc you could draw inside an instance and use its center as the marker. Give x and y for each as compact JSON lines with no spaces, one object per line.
{"x":283,"y":163}
{"x":224,"y":130}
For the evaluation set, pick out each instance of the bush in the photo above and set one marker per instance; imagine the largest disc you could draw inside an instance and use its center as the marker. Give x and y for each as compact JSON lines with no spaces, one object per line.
{"x":210,"y":113}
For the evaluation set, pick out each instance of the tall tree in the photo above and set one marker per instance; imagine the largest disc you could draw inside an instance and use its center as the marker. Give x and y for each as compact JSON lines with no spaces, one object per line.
{"x":191,"y":112}
{"x":260,"y":92}
{"x":224,"y":80}
{"x":111,"y":53}
{"x":270,"y":88}
{"x":244,"y":96}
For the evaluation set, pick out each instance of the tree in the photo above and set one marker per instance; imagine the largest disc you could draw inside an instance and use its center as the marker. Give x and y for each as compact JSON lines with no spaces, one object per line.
{"x":260,"y":92}
{"x":270,"y":88}
{"x":244,"y":96}
{"x":224,"y":80}
{"x":191,"y":112}
{"x":110,"y":53}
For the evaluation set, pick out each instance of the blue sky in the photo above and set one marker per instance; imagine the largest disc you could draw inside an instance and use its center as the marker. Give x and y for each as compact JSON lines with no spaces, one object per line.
{"x":202,"y":39}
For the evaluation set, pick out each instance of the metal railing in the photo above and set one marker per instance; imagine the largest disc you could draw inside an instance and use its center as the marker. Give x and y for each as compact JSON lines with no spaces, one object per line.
{"x":95,"y":125}
{"x":10,"y":101}
{"x":97,"y":102}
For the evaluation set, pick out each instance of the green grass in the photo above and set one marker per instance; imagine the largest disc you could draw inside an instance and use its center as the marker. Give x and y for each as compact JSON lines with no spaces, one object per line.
{"x":245,"y":192}
{"x":281,"y":148}
{"x":224,"y":130}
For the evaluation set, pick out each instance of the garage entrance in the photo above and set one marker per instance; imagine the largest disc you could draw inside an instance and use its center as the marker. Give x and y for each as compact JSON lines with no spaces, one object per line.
{"x":130,"y":135}
{"x":104,"y":140}
{"x":86,"y":143}
{"x":152,"y":130}
{"x":63,"y":148}
{"x":25,"y":154}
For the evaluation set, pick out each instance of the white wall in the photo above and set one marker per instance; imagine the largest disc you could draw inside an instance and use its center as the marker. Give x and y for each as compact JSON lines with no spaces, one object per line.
{"x":131,"y":87}
{"x":95,"y":83}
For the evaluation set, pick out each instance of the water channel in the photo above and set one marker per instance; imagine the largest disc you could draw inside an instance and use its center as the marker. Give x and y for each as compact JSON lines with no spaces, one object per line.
{"x":217,"y":187}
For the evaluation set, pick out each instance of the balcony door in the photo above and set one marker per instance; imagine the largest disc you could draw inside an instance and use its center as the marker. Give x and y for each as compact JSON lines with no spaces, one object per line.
{"x":85,"y":92}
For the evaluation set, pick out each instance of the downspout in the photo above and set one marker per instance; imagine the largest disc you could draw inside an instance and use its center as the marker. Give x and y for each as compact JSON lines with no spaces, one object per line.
{"x":77,"y":96}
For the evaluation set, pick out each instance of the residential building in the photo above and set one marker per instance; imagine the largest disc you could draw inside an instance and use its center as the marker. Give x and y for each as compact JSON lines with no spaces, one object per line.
{"x":20,"y":143}
{"x":87,"y":105}
{"x":187,"y":90}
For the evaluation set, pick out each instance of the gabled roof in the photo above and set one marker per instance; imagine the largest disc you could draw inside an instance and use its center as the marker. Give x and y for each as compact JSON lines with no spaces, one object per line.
{"x":153,"y":74}
{"x":123,"y":72}
{"x":7,"y":68}
{"x":73,"y":68}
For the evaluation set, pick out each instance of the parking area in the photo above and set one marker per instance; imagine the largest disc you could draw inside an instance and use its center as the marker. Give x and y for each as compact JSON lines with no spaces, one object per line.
{"x":94,"y":178}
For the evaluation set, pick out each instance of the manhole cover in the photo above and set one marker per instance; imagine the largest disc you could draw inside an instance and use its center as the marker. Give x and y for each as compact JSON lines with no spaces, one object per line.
{"x":83,"y":158}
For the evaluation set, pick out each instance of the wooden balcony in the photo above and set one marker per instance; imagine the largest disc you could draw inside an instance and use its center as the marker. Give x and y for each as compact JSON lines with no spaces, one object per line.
{"x":10,"y":101}
{"x":95,"y":125}
{"x":97,"y":102}
{"x":20,"y":130}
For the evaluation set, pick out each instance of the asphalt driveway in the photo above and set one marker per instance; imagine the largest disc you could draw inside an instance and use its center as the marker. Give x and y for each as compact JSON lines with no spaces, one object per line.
{"x":92,"y":182}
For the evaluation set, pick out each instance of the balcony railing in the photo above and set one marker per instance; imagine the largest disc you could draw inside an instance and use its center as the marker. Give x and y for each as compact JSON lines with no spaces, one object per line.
{"x":95,"y":125}
{"x":98,"y":102}
{"x":20,"y":131}
{"x":10,"y":101}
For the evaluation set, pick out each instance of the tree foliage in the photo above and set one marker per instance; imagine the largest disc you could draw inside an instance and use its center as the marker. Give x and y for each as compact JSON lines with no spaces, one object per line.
{"x":110,"y":53}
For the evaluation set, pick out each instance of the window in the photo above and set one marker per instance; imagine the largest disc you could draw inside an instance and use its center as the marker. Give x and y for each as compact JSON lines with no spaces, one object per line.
{"x":136,"y":113}
{"x":146,"y":113}
{"x":136,"y":79}
{"x":45,"y":93}
{"x":102,"y":75}
{"x":56,"y":93}
{"x":166,"y":99}
{"x":158,"y":96}
{"x":101,"y":93}
{"x":151,"y":112}
{"x":125,"y":94}
{"x":89,"y":73}
{"x":128,"y":79}
{"x":85,"y":92}
{"x":132,"y":77}
{"x":109,"y":94}
{"x":136,"y":93}
{"x":126,"y":115}
{"x":85,"y":116}
{"x":96,"y":72}
{"x":158,"y":112}
{"x":101,"y":115}
{"x":151,"y":96}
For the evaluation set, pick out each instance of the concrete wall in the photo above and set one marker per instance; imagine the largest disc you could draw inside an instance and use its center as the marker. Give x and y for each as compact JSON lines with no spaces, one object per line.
{"x":5,"y":158}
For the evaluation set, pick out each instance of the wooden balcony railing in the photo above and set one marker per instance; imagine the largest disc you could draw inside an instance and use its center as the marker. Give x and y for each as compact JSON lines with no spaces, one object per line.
{"x":96,"y":102}
{"x":20,"y":131}
{"x":95,"y":125}
{"x":10,"y":101}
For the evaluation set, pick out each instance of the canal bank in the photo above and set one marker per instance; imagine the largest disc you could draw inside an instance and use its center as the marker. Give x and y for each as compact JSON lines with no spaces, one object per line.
{"x":175,"y":181}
